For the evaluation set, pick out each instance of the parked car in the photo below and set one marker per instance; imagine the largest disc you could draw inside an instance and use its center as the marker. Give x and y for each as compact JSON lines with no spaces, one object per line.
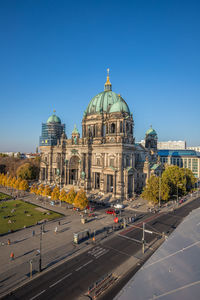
{"x":112,"y":212}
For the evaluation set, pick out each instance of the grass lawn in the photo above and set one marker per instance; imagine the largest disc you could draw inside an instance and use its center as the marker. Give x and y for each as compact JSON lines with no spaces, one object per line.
{"x":16,"y":214}
{"x":4,"y":196}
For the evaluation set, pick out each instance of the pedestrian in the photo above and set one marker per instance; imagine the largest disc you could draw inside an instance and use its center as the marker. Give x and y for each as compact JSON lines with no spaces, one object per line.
{"x":59,"y":223}
{"x":33,"y":232}
{"x":8,"y":241}
{"x":56,"y":229}
{"x":11,"y":256}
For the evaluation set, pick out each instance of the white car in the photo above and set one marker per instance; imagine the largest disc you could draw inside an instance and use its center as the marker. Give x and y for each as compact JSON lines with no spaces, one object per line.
{"x":119,"y":205}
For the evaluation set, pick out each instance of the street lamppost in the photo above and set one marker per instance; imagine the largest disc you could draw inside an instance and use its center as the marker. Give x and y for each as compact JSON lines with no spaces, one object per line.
{"x":159,"y":190}
{"x":143,"y":240}
{"x":178,"y":184}
{"x":40,"y":257}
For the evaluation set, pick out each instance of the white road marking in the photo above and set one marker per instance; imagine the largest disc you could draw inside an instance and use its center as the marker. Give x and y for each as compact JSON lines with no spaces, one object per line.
{"x":104,"y":252}
{"x":84,"y":265}
{"x":60,"y":280}
{"x":38,"y":295}
{"x":98,"y":252}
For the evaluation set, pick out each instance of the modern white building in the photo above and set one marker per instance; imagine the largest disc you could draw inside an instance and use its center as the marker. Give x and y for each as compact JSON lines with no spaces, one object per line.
{"x":197,"y":148}
{"x":172,"y":145}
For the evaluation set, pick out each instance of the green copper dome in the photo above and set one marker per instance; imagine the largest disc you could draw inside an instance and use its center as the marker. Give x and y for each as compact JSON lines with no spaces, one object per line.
{"x":151,"y":131}
{"x":54,"y":119}
{"x":119,"y":106}
{"x":104,"y":101}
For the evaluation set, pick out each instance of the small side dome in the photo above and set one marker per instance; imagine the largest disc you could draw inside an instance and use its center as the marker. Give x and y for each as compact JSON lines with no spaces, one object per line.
{"x":54,"y":119}
{"x":120,"y":106}
{"x":75,"y":130}
{"x":151,"y":131}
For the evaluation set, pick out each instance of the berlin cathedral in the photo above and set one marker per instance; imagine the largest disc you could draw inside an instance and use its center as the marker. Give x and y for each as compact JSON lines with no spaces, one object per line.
{"x":105,"y":158}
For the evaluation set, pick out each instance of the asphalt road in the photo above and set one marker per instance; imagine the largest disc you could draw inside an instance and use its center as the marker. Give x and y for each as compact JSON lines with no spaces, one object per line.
{"x":72,"y":278}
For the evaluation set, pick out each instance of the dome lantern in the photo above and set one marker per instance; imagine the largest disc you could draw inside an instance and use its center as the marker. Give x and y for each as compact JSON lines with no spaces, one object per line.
{"x":108,"y":85}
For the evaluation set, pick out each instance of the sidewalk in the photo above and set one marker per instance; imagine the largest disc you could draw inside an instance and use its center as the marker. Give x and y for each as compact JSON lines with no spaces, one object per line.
{"x":56,"y":247}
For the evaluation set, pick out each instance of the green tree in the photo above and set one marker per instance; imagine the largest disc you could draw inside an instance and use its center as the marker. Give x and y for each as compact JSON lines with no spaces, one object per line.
{"x":71,"y":196}
{"x":175,"y":178}
{"x":156,"y":187}
{"x":55,"y":193}
{"x":190,"y":179}
{"x":81,"y":200}
{"x":151,"y":190}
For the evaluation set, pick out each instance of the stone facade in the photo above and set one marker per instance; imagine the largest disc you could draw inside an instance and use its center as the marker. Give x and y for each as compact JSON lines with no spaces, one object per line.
{"x":105,"y":159}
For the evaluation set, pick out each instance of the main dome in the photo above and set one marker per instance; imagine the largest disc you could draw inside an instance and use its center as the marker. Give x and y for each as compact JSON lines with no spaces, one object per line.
{"x":103,"y":102}
{"x":107,"y":102}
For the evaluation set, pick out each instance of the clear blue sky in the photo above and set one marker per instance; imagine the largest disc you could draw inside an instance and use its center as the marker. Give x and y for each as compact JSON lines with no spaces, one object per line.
{"x":54,"y":55}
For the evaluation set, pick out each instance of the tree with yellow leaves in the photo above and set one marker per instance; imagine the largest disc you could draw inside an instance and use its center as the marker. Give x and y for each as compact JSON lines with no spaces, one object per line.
{"x":12,"y":184}
{"x":34,"y":189}
{"x":63,"y":196}
{"x":4,"y":180}
{"x":81,"y":200}
{"x":1,"y":178}
{"x":46,"y":191}
{"x":71,"y":196}
{"x":40,"y":189}
{"x":55,"y":194}
{"x":23,"y":186}
{"x":17,"y":183}
{"x":9,"y":181}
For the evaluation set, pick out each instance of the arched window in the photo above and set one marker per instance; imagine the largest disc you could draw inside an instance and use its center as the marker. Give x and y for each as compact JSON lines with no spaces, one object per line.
{"x":121,"y":126}
{"x":112,"y":128}
{"x":127,"y":161}
{"x":127,"y":127}
{"x":106,"y":128}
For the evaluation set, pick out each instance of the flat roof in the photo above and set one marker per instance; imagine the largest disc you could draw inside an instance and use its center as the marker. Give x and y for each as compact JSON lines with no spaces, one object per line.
{"x":173,"y":271}
{"x":178,"y":153}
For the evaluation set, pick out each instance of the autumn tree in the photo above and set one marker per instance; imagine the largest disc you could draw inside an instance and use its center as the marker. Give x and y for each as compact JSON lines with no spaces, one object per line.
{"x":40,"y":189}
{"x":47,"y":191}
{"x":81,"y":200}
{"x":55,"y":193}
{"x":34,"y":189}
{"x":17,"y":183}
{"x":13,"y":182}
{"x":71,"y":196}
{"x":63,"y":196}
{"x":23,"y":185}
{"x":27,"y":171}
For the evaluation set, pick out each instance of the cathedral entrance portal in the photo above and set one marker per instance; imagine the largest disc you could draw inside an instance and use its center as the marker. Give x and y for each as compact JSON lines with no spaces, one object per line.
{"x":73,"y":170}
{"x":109,"y":183}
